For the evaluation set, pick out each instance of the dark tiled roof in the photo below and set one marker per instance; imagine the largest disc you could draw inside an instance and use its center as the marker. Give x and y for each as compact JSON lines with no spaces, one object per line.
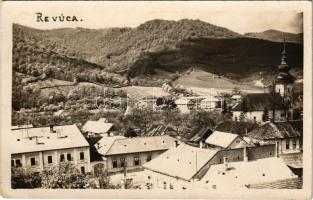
{"x":277,"y":130}
{"x":284,"y":77}
{"x":202,"y":135}
{"x":291,"y":183}
{"x":236,"y":127}
{"x":94,"y":155}
{"x":258,"y":102}
{"x":294,"y":160}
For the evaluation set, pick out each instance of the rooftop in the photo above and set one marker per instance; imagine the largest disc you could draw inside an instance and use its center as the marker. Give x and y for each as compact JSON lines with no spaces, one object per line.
{"x":241,"y":174}
{"x":221,"y":139}
{"x":42,"y":139}
{"x":141,"y":144}
{"x":100,"y":126}
{"x":182,"y":162}
{"x":104,"y":144}
{"x":277,"y":130}
{"x":258,"y":102}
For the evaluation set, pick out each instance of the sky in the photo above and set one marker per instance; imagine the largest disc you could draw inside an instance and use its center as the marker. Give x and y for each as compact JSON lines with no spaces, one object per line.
{"x":241,"y":19}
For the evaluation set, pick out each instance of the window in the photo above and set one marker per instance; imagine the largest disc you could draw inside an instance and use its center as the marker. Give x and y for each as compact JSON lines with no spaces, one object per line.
{"x":300,"y":144}
{"x":148,"y":158}
{"x":287,"y":144}
{"x":254,"y":118}
{"x":49,"y":159}
{"x":114,"y":163}
{"x":122,"y":162}
{"x":12,"y":163}
{"x":82,"y":170}
{"x":136,"y":160}
{"x":294,"y":144}
{"x":18,"y":163}
{"x":81,"y":156}
{"x":68,"y":157}
{"x":32,"y":161}
{"x":62,"y":158}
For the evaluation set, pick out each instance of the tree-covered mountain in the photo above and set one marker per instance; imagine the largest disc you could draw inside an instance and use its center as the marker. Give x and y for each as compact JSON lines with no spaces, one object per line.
{"x":120,"y":54}
{"x":277,"y":36}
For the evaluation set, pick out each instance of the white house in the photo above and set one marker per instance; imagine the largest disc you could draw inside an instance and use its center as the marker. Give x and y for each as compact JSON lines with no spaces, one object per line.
{"x":96,"y":128}
{"x":210,"y":103}
{"x":45,"y":147}
{"x":223,"y":140}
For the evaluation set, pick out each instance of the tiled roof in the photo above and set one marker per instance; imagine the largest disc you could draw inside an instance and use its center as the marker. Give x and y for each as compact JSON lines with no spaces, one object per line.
{"x":258,"y":102}
{"x":277,"y":130}
{"x":221,"y":139}
{"x":141,"y":144}
{"x":294,"y":160}
{"x":182,"y":162}
{"x":202,"y":135}
{"x":236,"y":127}
{"x":290,"y":183}
{"x":68,"y":136}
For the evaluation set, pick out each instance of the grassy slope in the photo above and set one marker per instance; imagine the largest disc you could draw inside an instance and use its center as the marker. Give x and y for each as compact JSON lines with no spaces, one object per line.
{"x":201,"y":79}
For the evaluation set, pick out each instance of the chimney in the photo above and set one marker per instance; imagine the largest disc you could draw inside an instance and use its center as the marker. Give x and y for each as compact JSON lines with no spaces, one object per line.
{"x":245,"y":156}
{"x":225,"y":164}
{"x":201,"y":144}
{"x":277,"y":149}
{"x":51,"y":128}
{"x":176,"y":143}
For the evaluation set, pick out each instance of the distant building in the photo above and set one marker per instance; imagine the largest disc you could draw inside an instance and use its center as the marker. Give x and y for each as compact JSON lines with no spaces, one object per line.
{"x":210,"y":103}
{"x":288,"y":135}
{"x":96,"y":128}
{"x":184,"y":105}
{"x":223,"y":140}
{"x":132,"y":153}
{"x":236,"y":98}
{"x":253,"y":107}
{"x":45,"y":147}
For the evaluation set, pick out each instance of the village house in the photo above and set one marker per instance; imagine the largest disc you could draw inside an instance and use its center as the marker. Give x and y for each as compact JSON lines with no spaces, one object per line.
{"x":45,"y":147}
{"x":288,"y":135}
{"x":132,"y":153}
{"x":223,"y":140}
{"x":98,"y":128}
{"x":193,"y":163}
{"x":185,"y":105}
{"x":211,"y":103}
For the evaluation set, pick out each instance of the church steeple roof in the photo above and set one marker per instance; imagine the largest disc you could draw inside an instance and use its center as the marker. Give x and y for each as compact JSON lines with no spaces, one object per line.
{"x":283,"y":75}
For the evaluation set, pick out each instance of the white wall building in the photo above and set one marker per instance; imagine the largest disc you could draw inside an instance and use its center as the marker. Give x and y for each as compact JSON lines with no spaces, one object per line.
{"x":46,"y":147}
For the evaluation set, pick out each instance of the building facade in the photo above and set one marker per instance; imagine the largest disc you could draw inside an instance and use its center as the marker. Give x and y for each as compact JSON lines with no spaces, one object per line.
{"x":46,"y":147}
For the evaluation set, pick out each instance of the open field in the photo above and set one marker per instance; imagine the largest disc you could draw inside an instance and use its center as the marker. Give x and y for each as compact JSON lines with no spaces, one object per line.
{"x":199,"y":80}
{"x":140,"y":91}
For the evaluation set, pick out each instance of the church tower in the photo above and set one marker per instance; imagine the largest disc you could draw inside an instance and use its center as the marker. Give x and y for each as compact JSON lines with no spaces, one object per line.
{"x":284,"y":80}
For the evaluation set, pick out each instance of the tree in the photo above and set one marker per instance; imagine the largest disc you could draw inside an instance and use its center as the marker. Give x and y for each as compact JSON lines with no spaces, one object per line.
{"x":24,"y":178}
{"x":64,"y":176}
{"x":224,"y":107}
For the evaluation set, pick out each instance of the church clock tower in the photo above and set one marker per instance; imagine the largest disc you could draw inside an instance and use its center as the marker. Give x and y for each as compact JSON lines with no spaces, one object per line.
{"x":284,"y":80}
